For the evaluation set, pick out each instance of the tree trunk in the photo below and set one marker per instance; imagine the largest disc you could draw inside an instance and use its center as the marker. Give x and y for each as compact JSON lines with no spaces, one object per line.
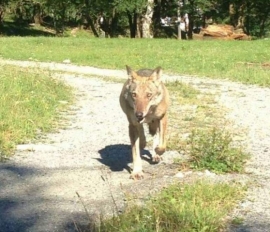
{"x":1,"y":14}
{"x":247,"y":26}
{"x":132,"y":20}
{"x":139,"y":28}
{"x":191,"y":20}
{"x":92,"y":26}
{"x":232,"y":14}
{"x":190,"y":28}
{"x":241,"y":17}
{"x":156,"y":17}
{"x":147,"y":20}
{"x":89,"y":21}
{"x":113,"y":23}
{"x":262,"y":25}
{"x":37,"y":14}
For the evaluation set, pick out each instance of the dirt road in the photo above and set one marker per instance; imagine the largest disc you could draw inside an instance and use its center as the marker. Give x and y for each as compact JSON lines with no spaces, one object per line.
{"x":39,"y":186}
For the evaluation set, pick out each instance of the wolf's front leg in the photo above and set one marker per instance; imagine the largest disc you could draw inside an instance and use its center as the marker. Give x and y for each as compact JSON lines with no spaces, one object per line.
{"x":137,"y":172}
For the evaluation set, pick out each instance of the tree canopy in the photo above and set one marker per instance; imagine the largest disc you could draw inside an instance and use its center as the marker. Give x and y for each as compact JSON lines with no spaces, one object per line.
{"x":138,"y":18}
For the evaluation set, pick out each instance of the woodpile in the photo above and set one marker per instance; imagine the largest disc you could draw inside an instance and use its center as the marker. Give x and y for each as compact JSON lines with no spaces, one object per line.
{"x":226,"y":32}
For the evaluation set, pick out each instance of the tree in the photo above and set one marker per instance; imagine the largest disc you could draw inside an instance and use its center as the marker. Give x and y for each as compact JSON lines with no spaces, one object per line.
{"x":262,"y":9}
{"x":134,"y":10}
{"x":59,"y":10}
{"x":141,"y":17}
{"x":198,"y":10}
{"x":85,"y":16}
{"x":250,"y":15}
{"x":146,"y":20}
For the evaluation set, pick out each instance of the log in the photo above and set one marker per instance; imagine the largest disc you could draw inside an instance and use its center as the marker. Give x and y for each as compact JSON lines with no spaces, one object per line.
{"x":226,"y":32}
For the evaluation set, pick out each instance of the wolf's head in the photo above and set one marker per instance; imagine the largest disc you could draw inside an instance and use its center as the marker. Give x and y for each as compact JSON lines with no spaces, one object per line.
{"x":144,"y":91}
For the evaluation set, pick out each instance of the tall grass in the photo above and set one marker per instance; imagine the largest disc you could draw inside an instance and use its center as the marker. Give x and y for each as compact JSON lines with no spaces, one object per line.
{"x":244,"y":61}
{"x":30,"y":103}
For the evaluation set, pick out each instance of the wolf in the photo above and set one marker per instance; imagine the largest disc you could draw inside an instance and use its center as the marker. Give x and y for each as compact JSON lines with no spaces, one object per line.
{"x":145,"y":99}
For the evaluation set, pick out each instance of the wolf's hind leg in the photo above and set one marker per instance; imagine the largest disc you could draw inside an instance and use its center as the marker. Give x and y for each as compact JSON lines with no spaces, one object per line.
{"x":161,"y":148}
{"x":159,"y":145}
{"x":154,"y":131}
{"x":153,"y":126}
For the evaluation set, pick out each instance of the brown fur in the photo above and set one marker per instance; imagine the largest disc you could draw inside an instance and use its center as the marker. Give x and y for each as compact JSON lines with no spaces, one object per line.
{"x":145,"y":99}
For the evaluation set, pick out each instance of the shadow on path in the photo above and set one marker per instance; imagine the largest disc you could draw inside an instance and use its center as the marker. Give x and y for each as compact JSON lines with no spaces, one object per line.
{"x":118,"y":156}
{"x":26,"y":206}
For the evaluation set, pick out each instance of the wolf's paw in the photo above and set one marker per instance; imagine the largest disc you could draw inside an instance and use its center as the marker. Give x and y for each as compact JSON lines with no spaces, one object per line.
{"x":160,"y":150}
{"x":156,"y":158}
{"x":136,"y":175}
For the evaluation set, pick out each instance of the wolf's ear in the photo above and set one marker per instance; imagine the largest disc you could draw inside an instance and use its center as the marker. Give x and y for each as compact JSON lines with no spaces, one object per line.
{"x":129,"y":70}
{"x":156,"y":75}
{"x":131,"y":74}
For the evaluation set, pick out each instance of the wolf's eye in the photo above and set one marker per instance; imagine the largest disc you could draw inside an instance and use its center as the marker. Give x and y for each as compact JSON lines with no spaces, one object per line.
{"x":149,"y":95}
{"x":133,"y":95}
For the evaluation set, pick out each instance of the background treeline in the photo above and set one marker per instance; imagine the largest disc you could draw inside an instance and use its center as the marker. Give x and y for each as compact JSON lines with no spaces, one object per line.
{"x":137,"y":18}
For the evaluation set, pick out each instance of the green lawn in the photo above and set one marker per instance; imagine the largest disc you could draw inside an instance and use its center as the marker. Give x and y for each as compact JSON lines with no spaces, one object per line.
{"x":244,"y":61}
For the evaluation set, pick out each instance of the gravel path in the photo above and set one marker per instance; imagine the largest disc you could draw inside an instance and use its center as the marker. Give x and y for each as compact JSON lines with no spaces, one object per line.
{"x":39,"y":186}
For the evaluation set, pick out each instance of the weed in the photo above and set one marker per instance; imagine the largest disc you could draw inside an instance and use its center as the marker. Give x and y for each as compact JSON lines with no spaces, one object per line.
{"x":237,"y":221}
{"x":212,"y":149}
{"x":182,"y":90}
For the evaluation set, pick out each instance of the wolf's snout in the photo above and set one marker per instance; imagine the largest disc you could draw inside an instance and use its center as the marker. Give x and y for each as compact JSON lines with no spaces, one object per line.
{"x":139,"y":116}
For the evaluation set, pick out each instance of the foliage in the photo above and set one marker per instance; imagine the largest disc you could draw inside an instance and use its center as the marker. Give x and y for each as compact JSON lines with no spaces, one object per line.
{"x":255,"y":13}
{"x":130,"y":5}
{"x":199,"y":206}
{"x":213,"y":150}
{"x":3,"y":6}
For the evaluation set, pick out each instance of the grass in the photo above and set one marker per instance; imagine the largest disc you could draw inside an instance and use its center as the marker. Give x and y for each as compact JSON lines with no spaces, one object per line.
{"x":198,"y":206}
{"x":30,"y":104}
{"x":243,"y":61}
